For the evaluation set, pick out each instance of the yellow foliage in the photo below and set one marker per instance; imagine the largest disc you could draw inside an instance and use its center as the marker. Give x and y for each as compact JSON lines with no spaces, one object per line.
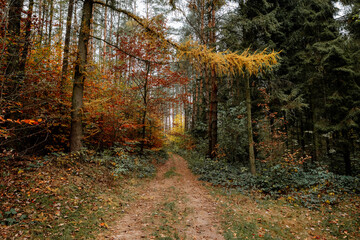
{"x":178,"y":130}
{"x":223,"y":62}
{"x":227,"y":62}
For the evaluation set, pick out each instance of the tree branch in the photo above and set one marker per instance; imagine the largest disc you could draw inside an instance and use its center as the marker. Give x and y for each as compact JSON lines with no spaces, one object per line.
{"x":142,"y":22}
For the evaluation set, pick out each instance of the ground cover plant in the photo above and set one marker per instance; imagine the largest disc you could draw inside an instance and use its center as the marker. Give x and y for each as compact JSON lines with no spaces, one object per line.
{"x":280,"y":200}
{"x":311,"y":188}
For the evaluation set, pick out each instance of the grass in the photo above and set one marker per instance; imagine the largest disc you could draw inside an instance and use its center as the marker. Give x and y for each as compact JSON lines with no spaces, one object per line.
{"x":171,"y":173}
{"x":168,"y":218}
{"x":259,"y":218}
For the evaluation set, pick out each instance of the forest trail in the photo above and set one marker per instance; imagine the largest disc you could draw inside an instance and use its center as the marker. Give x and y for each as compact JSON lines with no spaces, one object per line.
{"x":173,"y":205}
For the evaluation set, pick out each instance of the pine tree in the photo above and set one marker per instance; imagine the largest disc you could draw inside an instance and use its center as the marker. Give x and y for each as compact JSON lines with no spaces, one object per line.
{"x":314,"y":56}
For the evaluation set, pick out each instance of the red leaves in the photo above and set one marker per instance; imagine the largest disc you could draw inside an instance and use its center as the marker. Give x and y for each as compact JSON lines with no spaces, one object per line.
{"x":131,"y":126}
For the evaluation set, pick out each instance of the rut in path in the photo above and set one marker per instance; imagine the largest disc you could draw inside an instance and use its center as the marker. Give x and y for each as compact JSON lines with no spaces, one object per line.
{"x":173,"y":205}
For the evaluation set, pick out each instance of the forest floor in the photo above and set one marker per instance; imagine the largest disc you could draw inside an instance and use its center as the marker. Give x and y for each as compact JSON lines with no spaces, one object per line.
{"x":41,"y":200}
{"x":175,"y":205}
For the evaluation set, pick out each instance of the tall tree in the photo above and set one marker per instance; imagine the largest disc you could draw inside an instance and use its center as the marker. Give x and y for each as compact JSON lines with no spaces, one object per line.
{"x":249,"y":127}
{"x":341,"y":109}
{"x":76,"y":133}
{"x":12,"y":72}
{"x":315,"y":61}
{"x":14,"y":46}
{"x":145,"y":93}
{"x":313,"y":27}
{"x":213,"y":108}
{"x":65,"y":63}
{"x":51,"y":15}
{"x":27,"y":42}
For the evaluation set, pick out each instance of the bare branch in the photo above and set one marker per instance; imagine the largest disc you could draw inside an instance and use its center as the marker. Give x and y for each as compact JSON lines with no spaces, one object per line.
{"x":142,"y":22}
{"x":127,"y":53}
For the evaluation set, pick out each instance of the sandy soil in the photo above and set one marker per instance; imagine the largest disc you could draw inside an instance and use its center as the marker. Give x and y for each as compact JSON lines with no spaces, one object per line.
{"x":173,"y":205}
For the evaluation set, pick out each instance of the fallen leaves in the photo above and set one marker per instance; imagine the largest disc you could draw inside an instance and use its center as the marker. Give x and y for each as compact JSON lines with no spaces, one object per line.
{"x":104,"y":225}
{"x":289,"y":222}
{"x":40,"y":197}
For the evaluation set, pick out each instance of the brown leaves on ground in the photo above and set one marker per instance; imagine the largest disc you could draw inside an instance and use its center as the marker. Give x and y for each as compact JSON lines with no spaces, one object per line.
{"x":276,"y":219}
{"x":39,"y":199}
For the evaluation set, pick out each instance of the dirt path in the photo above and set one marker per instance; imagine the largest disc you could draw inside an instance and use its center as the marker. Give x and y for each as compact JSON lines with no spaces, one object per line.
{"x":174,"y":205}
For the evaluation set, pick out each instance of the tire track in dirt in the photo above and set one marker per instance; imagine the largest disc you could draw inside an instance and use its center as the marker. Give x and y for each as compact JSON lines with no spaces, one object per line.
{"x":174,"y":204}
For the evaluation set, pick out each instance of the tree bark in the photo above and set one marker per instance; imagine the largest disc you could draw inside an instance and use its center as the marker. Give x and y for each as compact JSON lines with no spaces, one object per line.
{"x":104,"y":46}
{"x":346,"y":154}
{"x":76,"y":133}
{"x":51,"y":21}
{"x":195,"y":103}
{"x":145,"y":88}
{"x":213,"y":115}
{"x":14,"y":46}
{"x":26,"y":49}
{"x":249,"y":127}
{"x":315,"y":137}
{"x":12,"y":72}
{"x":212,"y":128}
{"x":186,"y":109}
{"x":65,"y":64}
{"x":43,"y":20}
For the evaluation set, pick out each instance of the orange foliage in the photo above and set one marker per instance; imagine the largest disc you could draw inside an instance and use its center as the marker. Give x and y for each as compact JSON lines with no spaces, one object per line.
{"x":114,"y":101}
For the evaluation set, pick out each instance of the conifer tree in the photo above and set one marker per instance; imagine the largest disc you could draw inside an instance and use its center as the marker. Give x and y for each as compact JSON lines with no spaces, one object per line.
{"x":313,"y":55}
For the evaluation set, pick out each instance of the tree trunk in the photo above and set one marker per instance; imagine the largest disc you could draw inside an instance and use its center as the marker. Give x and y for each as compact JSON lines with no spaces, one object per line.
{"x":213,"y":116}
{"x":249,"y":128}
{"x":51,"y":21}
{"x":212,"y":131}
{"x":315,"y":137}
{"x":12,"y":74}
{"x":44,"y":23}
{"x":104,"y":46}
{"x":186,"y":109}
{"x":65,"y":65}
{"x":76,"y":133}
{"x":25,"y":51}
{"x":346,"y":154}
{"x":195,"y":103}
{"x":145,"y":107}
{"x":14,"y":46}
{"x":41,"y":19}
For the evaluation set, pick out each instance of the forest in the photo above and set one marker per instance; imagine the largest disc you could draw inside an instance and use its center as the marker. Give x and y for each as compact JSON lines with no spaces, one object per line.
{"x":106,"y":105}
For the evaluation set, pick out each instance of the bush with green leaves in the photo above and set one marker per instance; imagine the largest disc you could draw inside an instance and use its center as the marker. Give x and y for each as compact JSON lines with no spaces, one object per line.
{"x":128,"y":164}
{"x":303,"y":187}
{"x":123,"y":162}
{"x":232,"y":129}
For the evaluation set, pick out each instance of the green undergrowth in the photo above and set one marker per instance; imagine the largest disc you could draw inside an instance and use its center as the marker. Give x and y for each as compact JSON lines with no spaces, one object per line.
{"x":69,"y":197}
{"x":310,"y":188}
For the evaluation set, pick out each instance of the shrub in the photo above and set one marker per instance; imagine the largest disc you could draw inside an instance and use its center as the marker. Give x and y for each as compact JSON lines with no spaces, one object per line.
{"x":124,"y":163}
{"x":308,"y":188}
